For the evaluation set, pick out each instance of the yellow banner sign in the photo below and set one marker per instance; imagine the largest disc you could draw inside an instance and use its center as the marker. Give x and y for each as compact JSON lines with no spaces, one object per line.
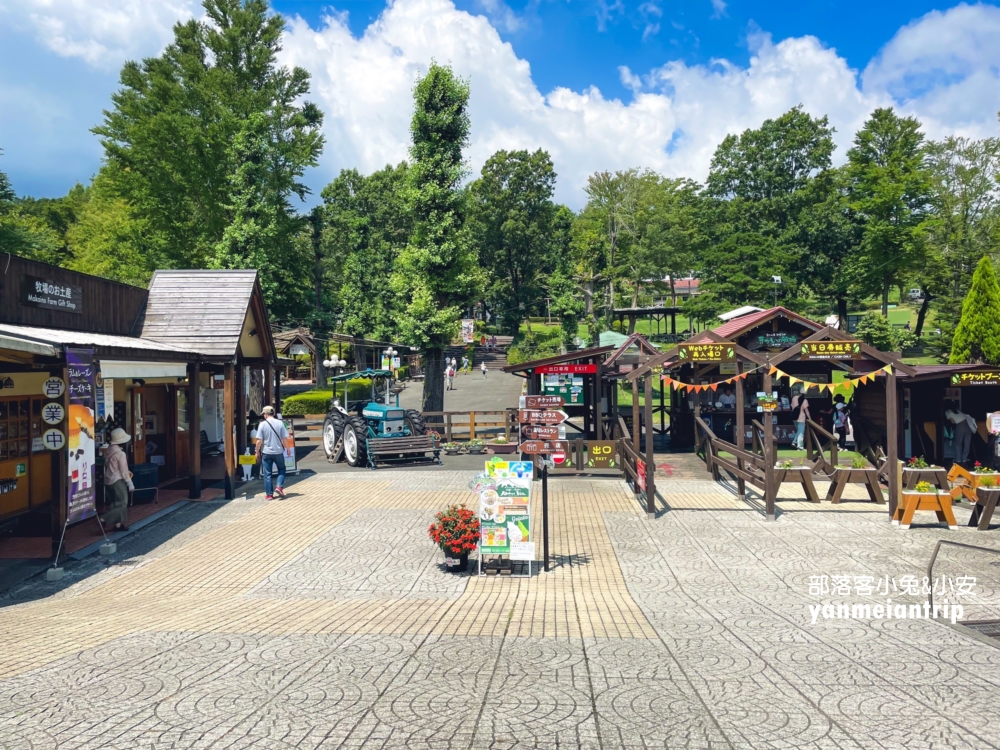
{"x":990,"y":377}
{"x":831,"y":349}
{"x":712,"y":352}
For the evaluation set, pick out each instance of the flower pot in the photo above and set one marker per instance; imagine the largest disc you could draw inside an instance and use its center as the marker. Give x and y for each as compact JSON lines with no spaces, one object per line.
{"x":476,"y":449}
{"x":456,"y":562}
{"x":452,"y":451}
{"x":503,"y":448}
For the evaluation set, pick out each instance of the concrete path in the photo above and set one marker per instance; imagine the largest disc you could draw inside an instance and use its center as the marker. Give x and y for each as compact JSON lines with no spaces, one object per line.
{"x":472,"y":392}
{"x":327,"y":620}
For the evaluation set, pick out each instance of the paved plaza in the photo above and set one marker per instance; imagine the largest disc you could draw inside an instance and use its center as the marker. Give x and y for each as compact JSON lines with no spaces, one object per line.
{"x":327,"y":620}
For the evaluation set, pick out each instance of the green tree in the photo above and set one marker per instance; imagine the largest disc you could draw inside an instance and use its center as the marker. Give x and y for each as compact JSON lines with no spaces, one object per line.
{"x":368,"y":224}
{"x":890,"y":194}
{"x":510,"y":218}
{"x":436,"y":274}
{"x":208,"y":142}
{"x":611,"y":204}
{"x":876,"y":330}
{"x":25,"y":234}
{"x":977,"y":337}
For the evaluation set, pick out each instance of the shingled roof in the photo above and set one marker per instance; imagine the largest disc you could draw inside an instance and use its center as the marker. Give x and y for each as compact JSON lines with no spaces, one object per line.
{"x":202,"y":311}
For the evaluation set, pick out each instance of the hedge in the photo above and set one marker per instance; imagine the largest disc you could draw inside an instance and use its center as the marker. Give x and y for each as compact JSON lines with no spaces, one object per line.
{"x":319,"y":401}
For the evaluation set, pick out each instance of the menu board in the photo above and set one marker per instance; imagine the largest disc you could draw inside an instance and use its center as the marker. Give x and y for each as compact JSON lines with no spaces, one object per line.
{"x":505,"y":510}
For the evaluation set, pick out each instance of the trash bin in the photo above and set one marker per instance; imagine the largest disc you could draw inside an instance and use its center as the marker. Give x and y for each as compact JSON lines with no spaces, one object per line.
{"x":144,"y":477}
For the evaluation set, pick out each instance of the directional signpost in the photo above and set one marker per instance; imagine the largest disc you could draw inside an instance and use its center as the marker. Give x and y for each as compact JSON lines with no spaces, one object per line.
{"x":544,"y":402}
{"x":541,"y":447}
{"x":536,"y":416}
{"x":541,"y":432}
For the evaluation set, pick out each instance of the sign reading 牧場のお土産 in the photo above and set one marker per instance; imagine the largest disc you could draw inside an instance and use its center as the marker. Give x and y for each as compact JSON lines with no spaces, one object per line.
{"x":36,"y":292}
{"x":80,"y":434}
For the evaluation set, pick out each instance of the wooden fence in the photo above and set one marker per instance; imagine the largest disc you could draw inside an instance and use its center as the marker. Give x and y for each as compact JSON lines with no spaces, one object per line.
{"x":468,"y":425}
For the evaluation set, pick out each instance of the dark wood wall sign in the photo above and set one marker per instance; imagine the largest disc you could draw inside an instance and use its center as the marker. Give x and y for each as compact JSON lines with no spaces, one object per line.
{"x":38,"y":292}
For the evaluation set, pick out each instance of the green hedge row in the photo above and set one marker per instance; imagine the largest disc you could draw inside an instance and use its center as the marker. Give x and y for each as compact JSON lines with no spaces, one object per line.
{"x":319,"y":401}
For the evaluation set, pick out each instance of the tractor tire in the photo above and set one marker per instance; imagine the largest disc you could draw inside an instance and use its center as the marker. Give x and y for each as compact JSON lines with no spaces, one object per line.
{"x":356,"y":441}
{"x":416,"y":422}
{"x":333,"y":429}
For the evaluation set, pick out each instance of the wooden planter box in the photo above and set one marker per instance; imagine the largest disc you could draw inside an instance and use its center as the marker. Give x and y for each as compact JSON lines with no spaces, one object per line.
{"x":502,"y":448}
{"x":799,"y":475}
{"x":939,"y":502}
{"x":845,"y":475}
{"x":936,"y":475}
{"x":986,"y":503}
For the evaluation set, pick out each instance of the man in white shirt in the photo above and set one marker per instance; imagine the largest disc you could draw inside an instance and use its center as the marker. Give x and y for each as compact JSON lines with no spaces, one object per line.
{"x":728,"y":399}
{"x":271,"y":436}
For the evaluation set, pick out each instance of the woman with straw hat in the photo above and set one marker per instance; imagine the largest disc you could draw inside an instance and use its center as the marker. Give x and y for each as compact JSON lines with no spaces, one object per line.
{"x":118,"y":479}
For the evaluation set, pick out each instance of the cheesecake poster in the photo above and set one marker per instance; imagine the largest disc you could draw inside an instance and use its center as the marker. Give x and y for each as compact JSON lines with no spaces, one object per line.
{"x":80,"y":390}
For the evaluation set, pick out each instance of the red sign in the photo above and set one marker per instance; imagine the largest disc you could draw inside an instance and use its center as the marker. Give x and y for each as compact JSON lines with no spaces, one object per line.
{"x":529,"y":416}
{"x":540,"y":432}
{"x":544,"y":402}
{"x":567,"y":369}
{"x":640,"y":473}
{"x":535,"y":447}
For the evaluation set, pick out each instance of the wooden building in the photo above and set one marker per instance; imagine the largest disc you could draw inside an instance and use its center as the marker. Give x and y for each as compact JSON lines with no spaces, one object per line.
{"x":80,"y":355}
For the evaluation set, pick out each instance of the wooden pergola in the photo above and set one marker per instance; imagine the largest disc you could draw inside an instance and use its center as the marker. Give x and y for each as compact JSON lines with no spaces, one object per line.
{"x":759,"y":468}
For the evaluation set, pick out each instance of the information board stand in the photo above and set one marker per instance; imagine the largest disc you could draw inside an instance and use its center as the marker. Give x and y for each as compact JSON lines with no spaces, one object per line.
{"x":505,"y":515}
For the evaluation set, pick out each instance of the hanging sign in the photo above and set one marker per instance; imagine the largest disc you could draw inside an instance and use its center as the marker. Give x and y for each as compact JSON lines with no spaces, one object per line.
{"x":468,"y":330}
{"x":831,"y":350}
{"x":36,"y":292}
{"x":80,"y":427}
{"x":53,"y":413}
{"x":54,"y":388}
{"x":710,"y":352}
{"x":987,"y":377}
{"x":532,"y":416}
{"x":539,"y":447}
{"x":54,"y":439}
{"x":567,"y":369}
{"x":773,"y":340}
{"x":601,"y":454}
{"x":543,"y":402}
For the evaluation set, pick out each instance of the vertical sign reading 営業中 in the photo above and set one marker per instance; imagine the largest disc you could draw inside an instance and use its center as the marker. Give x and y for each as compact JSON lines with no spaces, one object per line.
{"x":80,"y":428}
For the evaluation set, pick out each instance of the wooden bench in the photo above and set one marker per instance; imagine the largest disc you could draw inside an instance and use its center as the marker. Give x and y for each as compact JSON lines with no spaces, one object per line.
{"x":415,"y":447}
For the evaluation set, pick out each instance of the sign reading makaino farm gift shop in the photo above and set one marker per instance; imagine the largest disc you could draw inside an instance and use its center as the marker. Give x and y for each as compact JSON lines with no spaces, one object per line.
{"x":37,"y":292}
{"x":714,"y":352}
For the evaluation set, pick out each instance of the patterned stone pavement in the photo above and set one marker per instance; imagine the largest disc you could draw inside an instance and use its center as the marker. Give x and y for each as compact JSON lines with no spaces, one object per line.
{"x":328,"y":621}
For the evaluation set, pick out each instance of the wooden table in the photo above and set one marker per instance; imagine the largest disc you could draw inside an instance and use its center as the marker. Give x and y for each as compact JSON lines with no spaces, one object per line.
{"x":800,"y":475}
{"x":844,"y":476}
{"x":939,"y":502}
{"x":936,"y":475}
{"x":964,"y":483}
{"x":982,"y":511}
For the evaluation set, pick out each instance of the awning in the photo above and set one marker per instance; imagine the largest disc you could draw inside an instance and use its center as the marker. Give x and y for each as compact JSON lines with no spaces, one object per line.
{"x":111,"y":369}
{"x":30,"y":347}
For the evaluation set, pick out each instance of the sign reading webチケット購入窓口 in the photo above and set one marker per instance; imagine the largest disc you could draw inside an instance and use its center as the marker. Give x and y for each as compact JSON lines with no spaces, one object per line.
{"x":36,"y":292}
{"x":710,"y":352}
{"x":850,"y":349}
{"x":985,"y":377}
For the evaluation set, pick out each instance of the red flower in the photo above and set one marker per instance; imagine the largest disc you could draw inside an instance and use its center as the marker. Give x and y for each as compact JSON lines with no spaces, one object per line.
{"x":456,"y":529}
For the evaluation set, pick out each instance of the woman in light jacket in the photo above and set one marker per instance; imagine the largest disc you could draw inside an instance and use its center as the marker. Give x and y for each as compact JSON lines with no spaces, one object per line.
{"x":118,"y":479}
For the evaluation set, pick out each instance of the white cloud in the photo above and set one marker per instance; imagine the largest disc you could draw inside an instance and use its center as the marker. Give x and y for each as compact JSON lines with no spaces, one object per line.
{"x":677,"y":115}
{"x":103,"y":33}
{"x":718,"y":8}
{"x":944,"y":68}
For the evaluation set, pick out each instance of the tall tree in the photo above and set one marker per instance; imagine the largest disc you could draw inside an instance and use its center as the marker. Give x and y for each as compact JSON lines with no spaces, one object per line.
{"x":209,"y":141}
{"x":977,"y":337}
{"x":436,"y":274}
{"x":612,"y":200}
{"x":23,"y":233}
{"x":510,"y":217}
{"x":890,"y":193}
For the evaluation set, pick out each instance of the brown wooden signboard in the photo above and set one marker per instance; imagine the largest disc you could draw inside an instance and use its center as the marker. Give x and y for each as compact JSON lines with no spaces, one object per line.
{"x":709,"y":352}
{"x":531,"y":416}
{"x":986,"y":377}
{"x":537,"y":447}
{"x":539,"y":432}
{"x":831,"y":349}
{"x":544,"y":402}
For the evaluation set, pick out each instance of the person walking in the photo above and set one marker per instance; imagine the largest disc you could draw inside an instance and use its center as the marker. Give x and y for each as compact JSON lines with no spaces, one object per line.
{"x":465,"y":363}
{"x":482,"y":366}
{"x":271,"y":434}
{"x":118,"y":479}
{"x":965,"y":427}
{"x":840,"y":420}
{"x":451,"y":377}
{"x":800,"y":413}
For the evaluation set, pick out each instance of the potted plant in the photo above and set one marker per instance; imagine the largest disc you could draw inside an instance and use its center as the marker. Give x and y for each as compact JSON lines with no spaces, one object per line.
{"x":987,"y":495}
{"x":476,"y":446}
{"x":918,"y":463}
{"x":451,"y":449}
{"x":500,"y":444}
{"x":435,"y":436}
{"x":456,"y":532}
{"x":859,"y":462}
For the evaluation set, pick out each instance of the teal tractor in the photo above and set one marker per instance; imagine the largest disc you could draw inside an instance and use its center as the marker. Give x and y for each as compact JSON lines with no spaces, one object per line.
{"x":373,"y":430}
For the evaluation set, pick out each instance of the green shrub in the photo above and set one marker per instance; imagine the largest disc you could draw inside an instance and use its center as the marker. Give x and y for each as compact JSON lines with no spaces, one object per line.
{"x":403,"y":372}
{"x":877,"y":331}
{"x":310,"y":402}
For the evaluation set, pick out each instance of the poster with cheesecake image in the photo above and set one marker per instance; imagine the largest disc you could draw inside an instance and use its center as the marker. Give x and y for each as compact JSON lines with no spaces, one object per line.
{"x":505,"y":510}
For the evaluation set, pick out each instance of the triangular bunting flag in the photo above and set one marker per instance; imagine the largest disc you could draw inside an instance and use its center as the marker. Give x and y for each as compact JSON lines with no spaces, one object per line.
{"x":714,"y":386}
{"x":792,"y":381}
{"x":888,"y":369}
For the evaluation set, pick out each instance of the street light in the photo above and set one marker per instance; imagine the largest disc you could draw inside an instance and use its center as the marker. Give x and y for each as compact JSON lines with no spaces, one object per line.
{"x":776,"y":280}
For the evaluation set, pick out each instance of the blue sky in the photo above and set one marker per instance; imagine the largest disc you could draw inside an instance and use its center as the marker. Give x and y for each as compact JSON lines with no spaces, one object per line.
{"x":600,"y":84}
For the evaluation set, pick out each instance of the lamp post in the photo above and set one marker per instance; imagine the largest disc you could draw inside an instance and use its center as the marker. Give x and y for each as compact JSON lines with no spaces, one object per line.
{"x":776,"y":280}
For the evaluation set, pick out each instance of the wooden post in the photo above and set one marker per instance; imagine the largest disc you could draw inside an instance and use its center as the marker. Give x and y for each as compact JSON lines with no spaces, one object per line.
{"x":194,"y":430}
{"x":229,"y":437}
{"x":447,"y":427}
{"x":598,"y":390}
{"x":636,"y":422}
{"x":269,"y":385}
{"x":650,"y":458}
{"x":892,"y":439}
{"x":472,"y":425}
{"x":770,"y":491}
{"x":739,"y":441}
